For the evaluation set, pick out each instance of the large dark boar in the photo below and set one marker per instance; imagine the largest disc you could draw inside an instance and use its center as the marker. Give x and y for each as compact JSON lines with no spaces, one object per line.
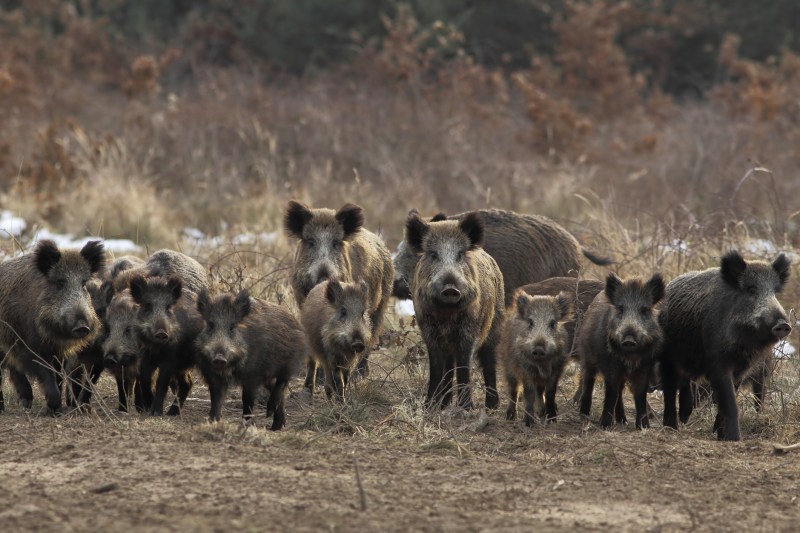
{"x":123,"y":350}
{"x":251,"y":342}
{"x":167,"y":323}
{"x":457,"y":290}
{"x":89,"y":362}
{"x":721,"y":323}
{"x":527,"y":248}
{"x":46,"y":315}
{"x":337,"y":322}
{"x":335,"y":245}
{"x":535,"y":348}
{"x":620,"y":337}
{"x":165,"y":263}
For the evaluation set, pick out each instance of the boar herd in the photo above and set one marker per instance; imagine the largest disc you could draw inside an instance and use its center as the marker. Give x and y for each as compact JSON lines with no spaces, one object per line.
{"x":491,"y":285}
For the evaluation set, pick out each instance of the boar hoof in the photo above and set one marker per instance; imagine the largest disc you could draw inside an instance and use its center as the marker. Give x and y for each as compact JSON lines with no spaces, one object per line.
{"x":174,"y":410}
{"x":511,"y":413}
{"x":26,"y":403}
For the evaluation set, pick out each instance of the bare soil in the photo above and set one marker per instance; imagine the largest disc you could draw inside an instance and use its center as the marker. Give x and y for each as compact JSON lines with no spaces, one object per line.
{"x":449,"y":471}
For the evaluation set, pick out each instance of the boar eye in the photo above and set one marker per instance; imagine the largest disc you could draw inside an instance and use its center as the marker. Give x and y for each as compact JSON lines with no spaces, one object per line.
{"x":751,"y":290}
{"x":343,"y":312}
{"x":552,"y":324}
{"x":210,"y":325}
{"x":460,"y":255}
{"x":147,"y":308}
{"x":433,"y":256}
{"x":530,"y":323}
{"x":127,"y":331}
{"x":232,"y":328}
{"x":644,"y":310}
{"x":620,"y":309}
{"x":311,"y":243}
{"x":337,"y":244}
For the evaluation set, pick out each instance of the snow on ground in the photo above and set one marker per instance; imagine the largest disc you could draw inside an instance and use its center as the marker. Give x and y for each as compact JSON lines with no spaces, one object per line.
{"x":11,"y":226}
{"x":404,"y":307}
{"x":63,"y":240}
{"x":783,"y":350}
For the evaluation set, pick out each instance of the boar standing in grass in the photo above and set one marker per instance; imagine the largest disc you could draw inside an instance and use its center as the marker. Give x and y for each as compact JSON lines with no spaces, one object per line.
{"x":250,"y":342}
{"x":457,"y":290}
{"x":621,"y":338}
{"x":535,"y":348}
{"x":337,"y":321}
{"x":721,"y":323}
{"x":123,"y":350}
{"x":89,"y":363}
{"x":334,"y":245}
{"x":46,"y":314}
{"x":527,"y":249}
{"x":167,"y":323}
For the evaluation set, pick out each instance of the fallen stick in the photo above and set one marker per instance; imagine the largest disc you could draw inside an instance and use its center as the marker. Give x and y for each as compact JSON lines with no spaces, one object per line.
{"x":781,"y":449}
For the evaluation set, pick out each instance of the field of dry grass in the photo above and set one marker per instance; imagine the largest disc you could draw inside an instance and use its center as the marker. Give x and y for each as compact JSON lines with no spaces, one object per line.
{"x":96,"y":139}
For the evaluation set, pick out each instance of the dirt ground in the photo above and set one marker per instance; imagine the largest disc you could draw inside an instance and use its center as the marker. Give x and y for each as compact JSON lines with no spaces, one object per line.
{"x":450,"y":471}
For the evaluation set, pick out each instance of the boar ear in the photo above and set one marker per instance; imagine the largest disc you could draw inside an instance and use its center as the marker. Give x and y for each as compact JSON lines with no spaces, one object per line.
{"x":563,"y":303}
{"x":295,"y":218}
{"x":416,"y":228}
{"x":107,"y":291}
{"x":242,"y":305}
{"x":95,"y":255}
{"x":522,"y":299}
{"x":351,"y":217}
{"x":46,"y":256}
{"x":612,"y":284}
{"x":137,"y":285}
{"x":175,"y":285}
{"x":333,"y":291}
{"x":781,"y":266}
{"x":732,"y":267}
{"x":203,"y":302}
{"x":655,"y":285}
{"x":438,"y":217}
{"x":472,"y":226}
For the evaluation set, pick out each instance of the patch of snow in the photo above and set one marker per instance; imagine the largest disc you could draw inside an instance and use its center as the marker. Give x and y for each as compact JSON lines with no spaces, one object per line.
{"x":678,"y":246}
{"x":783,"y":350}
{"x":11,"y":225}
{"x":761,"y":247}
{"x":62,"y":240}
{"x":255,"y":238}
{"x":404,"y":308}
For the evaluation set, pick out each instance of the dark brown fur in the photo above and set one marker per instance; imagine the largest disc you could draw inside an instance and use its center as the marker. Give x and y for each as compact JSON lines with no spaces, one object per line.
{"x":527,"y":249}
{"x":535,"y":349}
{"x":336,"y":319}
{"x":46,"y":315}
{"x":335,"y":245}
{"x":458,"y":299}
{"x":251,"y":342}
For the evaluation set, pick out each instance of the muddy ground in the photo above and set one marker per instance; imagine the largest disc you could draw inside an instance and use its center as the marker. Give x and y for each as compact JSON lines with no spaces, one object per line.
{"x":381,"y":464}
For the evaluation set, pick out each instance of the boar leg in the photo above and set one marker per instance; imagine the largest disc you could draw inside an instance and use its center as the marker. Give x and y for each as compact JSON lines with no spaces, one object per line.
{"x":248,"y":403}
{"x":639,"y":385}
{"x":435,"y":378}
{"x":532,"y":401}
{"x":685,"y":401}
{"x":146,"y":372}
{"x":619,"y":410}
{"x":311,"y":374}
{"x":513,"y":398}
{"x":165,"y":375}
{"x":184,"y":380}
{"x":217,"y":390}
{"x":588,"y":375}
{"x":727,"y":423}
{"x":669,"y":381}
{"x":610,"y":402}
{"x":22,"y":386}
{"x":463,"y":369}
{"x":277,"y":405}
{"x":487,"y":357}
{"x":550,"y":399}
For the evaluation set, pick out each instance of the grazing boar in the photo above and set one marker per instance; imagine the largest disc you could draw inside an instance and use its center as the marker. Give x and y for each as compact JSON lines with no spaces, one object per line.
{"x":335,"y":245}
{"x":46,"y":315}
{"x":337,"y":321}
{"x":621,"y":337}
{"x":250,"y":342}
{"x":527,"y":249}
{"x":457,"y":290}
{"x":167,"y":323}
{"x":721,"y":323}
{"x":535,"y":348}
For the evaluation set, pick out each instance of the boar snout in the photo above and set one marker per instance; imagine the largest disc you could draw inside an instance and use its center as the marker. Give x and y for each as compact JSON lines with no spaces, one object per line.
{"x":161,"y":336}
{"x":357,"y":345}
{"x":81,"y":328}
{"x":629,"y":342}
{"x":539,"y":351}
{"x":781,"y":329}
{"x":450,"y":294}
{"x":219,"y":361}
{"x":111,"y":360}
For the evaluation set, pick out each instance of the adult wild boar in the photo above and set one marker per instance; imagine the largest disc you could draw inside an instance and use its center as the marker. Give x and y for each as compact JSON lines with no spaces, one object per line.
{"x":46,"y":314}
{"x":251,"y":342}
{"x":535,"y":349}
{"x":335,"y":245}
{"x":527,"y":249}
{"x":457,"y":290}
{"x":721,"y":323}
{"x":621,"y":338}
